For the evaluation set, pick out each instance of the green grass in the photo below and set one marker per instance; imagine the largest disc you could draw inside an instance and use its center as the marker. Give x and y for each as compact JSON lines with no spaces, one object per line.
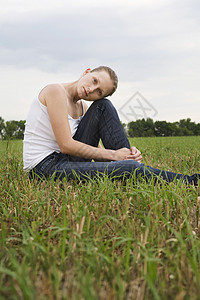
{"x":101,"y":240}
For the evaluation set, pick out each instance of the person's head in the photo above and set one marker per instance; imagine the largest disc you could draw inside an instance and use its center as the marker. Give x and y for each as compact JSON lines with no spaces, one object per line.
{"x":97,"y":83}
{"x":112,"y":75}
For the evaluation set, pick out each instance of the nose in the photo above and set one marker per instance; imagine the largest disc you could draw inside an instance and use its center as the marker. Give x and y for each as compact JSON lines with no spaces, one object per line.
{"x":91,"y":89}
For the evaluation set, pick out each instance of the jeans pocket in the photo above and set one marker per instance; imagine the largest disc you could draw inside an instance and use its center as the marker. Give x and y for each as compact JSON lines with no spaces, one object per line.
{"x":47,"y":164}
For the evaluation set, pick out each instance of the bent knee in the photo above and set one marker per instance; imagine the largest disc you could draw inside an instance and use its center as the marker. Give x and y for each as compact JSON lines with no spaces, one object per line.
{"x":102,"y":102}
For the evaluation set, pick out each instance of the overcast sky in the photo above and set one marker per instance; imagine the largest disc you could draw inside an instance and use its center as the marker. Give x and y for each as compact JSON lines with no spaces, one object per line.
{"x":153,"y":45}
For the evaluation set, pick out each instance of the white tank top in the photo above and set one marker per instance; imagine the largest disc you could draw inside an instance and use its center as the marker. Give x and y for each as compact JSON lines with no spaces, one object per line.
{"x":39,"y":139}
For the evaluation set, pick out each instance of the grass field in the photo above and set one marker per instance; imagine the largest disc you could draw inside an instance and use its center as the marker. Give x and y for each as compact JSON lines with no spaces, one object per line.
{"x":102,"y":239}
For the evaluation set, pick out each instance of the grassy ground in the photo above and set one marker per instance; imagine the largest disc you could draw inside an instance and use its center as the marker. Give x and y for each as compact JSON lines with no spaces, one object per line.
{"x":101,"y":240}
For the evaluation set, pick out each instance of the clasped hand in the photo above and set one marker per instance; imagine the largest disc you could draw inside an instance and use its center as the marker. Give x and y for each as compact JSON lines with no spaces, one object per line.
{"x":125,"y":154}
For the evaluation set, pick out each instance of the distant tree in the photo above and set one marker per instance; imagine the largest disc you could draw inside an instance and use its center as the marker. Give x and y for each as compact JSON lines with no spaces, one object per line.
{"x":20,"y":131}
{"x":141,"y":127}
{"x":148,"y":127}
{"x":197,"y":129}
{"x":2,"y":126}
{"x":14,"y":130}
{"x":187,"y":127}
{"x":161,"y":128}
{"x":10,"y":129}
{"x":136,"y":128}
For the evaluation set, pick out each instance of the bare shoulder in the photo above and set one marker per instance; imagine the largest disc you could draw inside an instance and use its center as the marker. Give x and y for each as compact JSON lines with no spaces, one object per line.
{"x":54,"y":91}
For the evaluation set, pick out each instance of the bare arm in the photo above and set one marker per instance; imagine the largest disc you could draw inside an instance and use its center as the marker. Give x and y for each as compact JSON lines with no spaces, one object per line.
{"x":135,"y":153}
{"x":55,"y":100}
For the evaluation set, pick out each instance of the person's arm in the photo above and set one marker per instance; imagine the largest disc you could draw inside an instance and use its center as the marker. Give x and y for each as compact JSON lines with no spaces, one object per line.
{"x":134,"y":151}
{"x":55,"y":100}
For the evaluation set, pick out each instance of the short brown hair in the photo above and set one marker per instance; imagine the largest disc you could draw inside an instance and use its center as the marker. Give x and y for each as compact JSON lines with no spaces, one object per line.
{"x":112,"y":75}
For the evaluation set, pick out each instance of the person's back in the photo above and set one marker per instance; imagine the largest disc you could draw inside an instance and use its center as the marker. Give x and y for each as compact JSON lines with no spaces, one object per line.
{"x":39,"y":139}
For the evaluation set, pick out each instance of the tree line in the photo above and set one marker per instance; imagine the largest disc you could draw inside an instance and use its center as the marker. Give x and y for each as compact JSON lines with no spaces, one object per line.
{"x":139,"y":128}
{"x":11,"y":130}
{"x":147,"y":127}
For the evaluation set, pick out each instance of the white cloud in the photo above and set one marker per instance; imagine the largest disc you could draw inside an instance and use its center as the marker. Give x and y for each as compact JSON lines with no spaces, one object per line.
{"x":153,"y":46}
{"x":20,"y":86}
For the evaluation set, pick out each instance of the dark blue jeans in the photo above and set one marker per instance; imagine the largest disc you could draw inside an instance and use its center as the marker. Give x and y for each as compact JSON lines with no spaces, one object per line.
{"x":101,"y":121}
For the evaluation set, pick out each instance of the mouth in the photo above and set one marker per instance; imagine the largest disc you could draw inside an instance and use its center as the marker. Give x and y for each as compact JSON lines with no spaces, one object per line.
{"x":85,"y":91}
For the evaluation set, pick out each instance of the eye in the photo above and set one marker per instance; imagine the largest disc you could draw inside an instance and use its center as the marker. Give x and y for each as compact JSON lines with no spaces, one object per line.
{"x":95,"y":80}
{"x":99,"y":92}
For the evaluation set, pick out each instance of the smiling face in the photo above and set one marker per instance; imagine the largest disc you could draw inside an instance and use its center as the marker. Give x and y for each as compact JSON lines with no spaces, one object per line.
{"x":94,"y":85}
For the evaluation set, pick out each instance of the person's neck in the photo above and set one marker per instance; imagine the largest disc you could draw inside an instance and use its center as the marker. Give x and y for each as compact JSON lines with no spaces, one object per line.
{"x":71,"y":91}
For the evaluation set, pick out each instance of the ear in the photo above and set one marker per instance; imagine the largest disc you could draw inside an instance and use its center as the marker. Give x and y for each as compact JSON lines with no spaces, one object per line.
{"x":87,"y":71}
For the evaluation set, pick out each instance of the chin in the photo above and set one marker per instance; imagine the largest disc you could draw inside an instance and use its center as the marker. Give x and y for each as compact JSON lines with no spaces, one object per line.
{"x":80,"y":95}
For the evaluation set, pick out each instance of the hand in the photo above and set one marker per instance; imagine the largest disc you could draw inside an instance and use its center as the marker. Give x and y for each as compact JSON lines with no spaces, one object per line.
{"x":136,"y":154}
{"x":125,"y":154}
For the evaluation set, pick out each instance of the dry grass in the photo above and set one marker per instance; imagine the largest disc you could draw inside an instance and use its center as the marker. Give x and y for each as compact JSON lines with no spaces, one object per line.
{"x":101,"y":240}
